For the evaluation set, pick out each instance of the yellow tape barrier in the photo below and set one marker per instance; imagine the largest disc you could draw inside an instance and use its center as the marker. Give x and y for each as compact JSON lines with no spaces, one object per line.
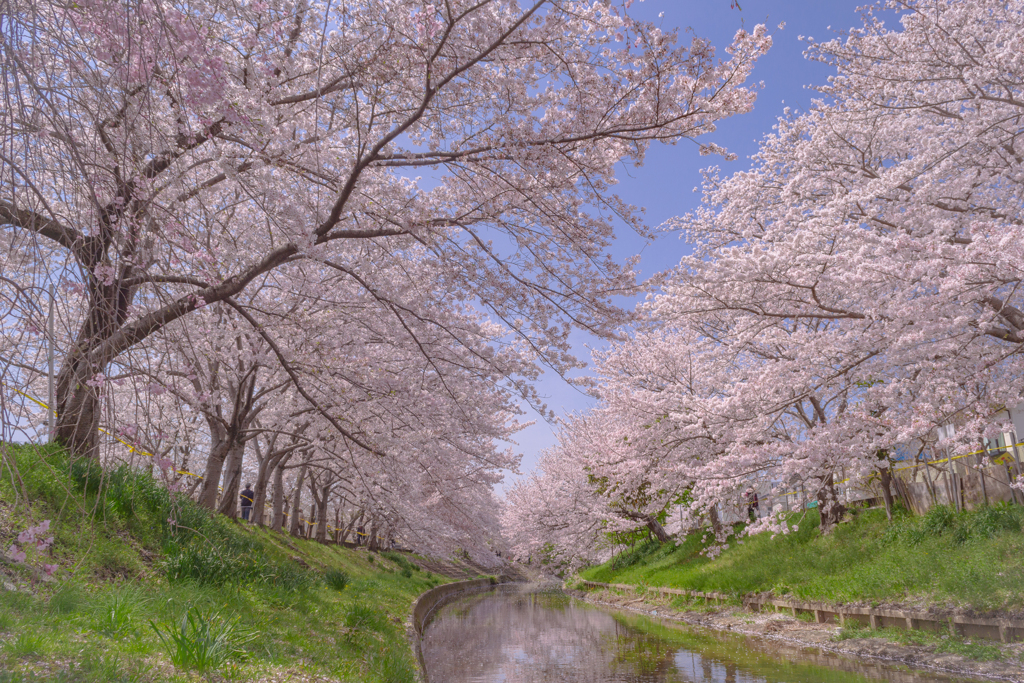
{"x":134,"y":449}
{"x":129,"y":446}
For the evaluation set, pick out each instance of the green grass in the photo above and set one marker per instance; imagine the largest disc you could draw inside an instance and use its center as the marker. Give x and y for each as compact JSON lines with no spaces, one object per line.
{"x":140,"y":600}
{"x":938,"y":642}
{"x":973,"y":559}
{"x":336,"y":579}
{"x":203,"y":640}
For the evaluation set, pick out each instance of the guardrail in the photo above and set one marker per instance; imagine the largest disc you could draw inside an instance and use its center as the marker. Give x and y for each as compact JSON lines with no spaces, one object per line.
{"x":1001,"y":629}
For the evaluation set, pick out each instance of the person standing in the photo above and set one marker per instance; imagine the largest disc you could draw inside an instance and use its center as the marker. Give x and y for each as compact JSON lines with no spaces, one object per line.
{"x":247,"y":498}
{"x":753,"y":511}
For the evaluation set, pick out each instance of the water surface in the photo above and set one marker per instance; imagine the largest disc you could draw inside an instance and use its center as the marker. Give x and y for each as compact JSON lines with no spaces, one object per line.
{"x":547,"y":637}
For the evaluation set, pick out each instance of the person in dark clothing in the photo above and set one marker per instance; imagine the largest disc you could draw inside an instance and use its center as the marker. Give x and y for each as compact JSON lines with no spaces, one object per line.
{"x":752,"y":506}
{"x":360,"y":535}
{"x":247,"y":498}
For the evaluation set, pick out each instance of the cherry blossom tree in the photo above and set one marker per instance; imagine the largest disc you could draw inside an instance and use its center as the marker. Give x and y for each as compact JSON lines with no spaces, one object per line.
{"x":876,"y":238}
{"x":856,"y":288}
{"x":166,"y":157}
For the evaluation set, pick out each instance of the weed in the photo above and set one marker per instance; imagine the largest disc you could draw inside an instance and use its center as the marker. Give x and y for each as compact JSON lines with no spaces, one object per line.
{"x":634,"y":555}
{"x":68,"y":599}
{"x":28,"y":645}
{"x":363,"y":618}
{"x":407,"y":573}
{"x":202,"y":641}
{"x":401,"y":560}
{"x":853,"y":629}
{"x":115,"y":617}
{"x":390,"y":666}
{"x":201,"y":563}
{"x":336,"y":579}
{"x":969,"y":649}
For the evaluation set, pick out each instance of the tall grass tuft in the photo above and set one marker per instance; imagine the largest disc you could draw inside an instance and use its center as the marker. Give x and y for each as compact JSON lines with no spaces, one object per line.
{"x":203,"y":641}
{"x":117,"y":612}
{"x":401,"y":560}
{"x":336,"y":579}
{"x":390,"y":666}
{"x":364,"y":618}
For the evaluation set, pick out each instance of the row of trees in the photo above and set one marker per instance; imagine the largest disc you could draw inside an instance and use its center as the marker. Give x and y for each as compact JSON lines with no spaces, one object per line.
{"x":858,"y":287}
{"x":253,"y":281}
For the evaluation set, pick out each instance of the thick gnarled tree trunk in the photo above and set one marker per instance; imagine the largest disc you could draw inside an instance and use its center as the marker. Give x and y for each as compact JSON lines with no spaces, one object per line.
{"x":830,"y":508}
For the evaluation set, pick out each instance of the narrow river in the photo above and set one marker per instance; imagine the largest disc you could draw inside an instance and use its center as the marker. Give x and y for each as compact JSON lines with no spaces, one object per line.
{"x":548,"y":637}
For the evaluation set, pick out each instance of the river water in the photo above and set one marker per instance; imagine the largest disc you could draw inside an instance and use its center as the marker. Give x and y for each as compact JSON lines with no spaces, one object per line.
{"x":529,"y":636}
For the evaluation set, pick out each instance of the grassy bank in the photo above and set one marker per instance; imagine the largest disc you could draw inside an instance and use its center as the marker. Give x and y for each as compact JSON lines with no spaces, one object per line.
{"x":148,"y":587}
{"x":970,"y":559}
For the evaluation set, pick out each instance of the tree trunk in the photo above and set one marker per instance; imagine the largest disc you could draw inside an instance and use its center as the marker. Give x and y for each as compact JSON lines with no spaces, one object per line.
{"x":373,"y":545}
{"x":233,"y":481}
{"x":657,"y":529}
{"x":352,"y":523}
{"x":830,"y":508}
{"x":78,"y":408}
{"x":269,"y":467}
{"x":650,"y":521}
{"x":886,"y":479}
{"x":278,"y":522}
{"x":77,"y":396}
{"x":716,"y":523}
{"x":321,"y":520}
{"x":259,"y":491}
{"x":220,"y":446}
{"x":297,"y":498}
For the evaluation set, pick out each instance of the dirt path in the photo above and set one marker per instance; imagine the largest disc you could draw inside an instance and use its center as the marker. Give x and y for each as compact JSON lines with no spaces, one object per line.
{"x":782,"y":627}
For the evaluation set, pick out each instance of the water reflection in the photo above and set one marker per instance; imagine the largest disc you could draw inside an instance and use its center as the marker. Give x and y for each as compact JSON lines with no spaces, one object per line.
{"x":547,"y":637}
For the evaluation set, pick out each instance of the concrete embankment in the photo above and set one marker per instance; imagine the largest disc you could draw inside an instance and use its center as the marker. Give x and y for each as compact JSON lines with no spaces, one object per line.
{"x":428,"y":603}
{"x":799,"y":626}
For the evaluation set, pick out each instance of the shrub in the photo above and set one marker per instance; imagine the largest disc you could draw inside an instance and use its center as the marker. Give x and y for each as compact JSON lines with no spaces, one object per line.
{"x":407,"y":573}
{"x":336,"y":579}
{"x":202,"y":641}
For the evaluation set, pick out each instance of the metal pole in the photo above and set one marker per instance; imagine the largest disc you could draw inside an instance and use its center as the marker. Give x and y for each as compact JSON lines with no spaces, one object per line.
{"x":52,"y":390}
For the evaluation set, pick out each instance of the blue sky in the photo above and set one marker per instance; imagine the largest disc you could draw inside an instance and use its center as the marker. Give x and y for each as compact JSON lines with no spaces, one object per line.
{"x":664,"y":186}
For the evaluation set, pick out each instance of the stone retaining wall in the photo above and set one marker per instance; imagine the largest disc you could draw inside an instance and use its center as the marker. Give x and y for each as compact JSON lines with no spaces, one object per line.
{"x":1003,"y":630}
